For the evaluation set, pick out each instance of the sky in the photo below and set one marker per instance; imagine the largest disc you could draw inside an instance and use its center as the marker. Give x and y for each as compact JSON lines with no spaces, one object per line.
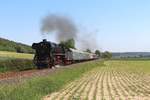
{"x":119,"y":25}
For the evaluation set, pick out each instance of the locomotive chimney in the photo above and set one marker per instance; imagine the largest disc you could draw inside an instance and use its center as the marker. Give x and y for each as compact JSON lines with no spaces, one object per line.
{"x":44,"y":40}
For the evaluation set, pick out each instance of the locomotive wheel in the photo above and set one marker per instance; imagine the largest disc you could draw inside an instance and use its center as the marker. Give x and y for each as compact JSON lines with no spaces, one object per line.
{"x":53,"y":62}
{"x":49,"y":65}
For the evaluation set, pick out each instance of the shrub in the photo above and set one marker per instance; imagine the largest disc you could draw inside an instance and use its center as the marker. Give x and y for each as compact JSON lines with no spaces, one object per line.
{"x":16,"y":65}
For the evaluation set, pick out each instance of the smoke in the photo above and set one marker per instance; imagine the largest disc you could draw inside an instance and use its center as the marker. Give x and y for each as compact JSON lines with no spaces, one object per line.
{"x":64,"y":27}
{"x":88,"y":40}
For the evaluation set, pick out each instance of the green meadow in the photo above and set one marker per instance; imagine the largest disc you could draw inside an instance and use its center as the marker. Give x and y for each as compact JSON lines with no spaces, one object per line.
{"x":7,"y":54}
{"x":12,"y":61}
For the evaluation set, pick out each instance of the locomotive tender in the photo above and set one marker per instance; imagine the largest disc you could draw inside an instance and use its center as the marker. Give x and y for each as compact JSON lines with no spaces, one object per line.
{"x":48,"y":54}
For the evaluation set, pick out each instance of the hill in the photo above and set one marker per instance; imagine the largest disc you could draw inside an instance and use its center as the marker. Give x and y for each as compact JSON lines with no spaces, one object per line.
{"x":131,"y":55}
{"x":8,"y":45}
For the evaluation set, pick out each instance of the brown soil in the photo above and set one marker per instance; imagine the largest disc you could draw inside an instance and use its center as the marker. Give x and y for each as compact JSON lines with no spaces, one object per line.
{"x":105,"y":83}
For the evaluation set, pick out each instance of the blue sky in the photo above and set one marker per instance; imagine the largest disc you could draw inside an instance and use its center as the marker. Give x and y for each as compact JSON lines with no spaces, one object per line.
{"x":121,"y":25}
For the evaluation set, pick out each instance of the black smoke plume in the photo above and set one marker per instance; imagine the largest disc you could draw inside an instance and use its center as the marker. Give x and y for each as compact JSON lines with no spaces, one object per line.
{"x":64,"y":27}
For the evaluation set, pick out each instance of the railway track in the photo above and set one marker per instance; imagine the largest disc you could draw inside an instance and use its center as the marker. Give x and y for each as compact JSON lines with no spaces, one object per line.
{"x":7,"y":75}
{"x":21,"y":76}
{"x":16,"y":77}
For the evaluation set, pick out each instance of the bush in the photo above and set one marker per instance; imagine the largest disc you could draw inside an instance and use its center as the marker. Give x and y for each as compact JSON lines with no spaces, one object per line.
{"x":16,"y":65}
{"x":107,"y":55}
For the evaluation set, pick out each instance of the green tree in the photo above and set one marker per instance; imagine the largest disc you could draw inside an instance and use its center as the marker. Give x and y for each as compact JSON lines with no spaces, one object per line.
{"x":88,"y":50}
{"x":18,"y":49}
{"x":98,"y":53}
{"x":107,"y":55}
{"x":69,"y":43}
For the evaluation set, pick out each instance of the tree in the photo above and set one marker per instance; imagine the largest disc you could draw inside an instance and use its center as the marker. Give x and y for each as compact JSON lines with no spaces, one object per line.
{"x":19,"y":49}
{"x":98,"y":53}
{"x":88,"y":50}
{"x":70,"y":43}
{"x":107,"y":55}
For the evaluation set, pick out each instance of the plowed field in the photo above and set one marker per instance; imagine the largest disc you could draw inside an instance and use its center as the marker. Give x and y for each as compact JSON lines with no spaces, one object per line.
{"x":125,"y":80}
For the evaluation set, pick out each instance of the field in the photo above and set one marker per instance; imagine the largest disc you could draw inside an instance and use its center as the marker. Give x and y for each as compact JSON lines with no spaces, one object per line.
{"x":37,"y":87}
{"x":95,"y":80}
{"x":7,"y":54}
{"x":12,"y":61}
{"x":116,"y":80}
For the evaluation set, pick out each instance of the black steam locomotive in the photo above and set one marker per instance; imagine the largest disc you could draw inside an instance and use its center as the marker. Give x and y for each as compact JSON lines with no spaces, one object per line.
{"x":49,"y":54}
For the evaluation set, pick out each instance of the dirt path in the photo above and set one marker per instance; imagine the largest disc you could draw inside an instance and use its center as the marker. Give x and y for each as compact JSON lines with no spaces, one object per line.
{"x":20,"y":76}
{"x":105,"y":83}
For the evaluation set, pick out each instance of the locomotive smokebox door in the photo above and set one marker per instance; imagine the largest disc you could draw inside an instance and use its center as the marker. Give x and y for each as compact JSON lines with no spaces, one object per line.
{"x":43,"y":54}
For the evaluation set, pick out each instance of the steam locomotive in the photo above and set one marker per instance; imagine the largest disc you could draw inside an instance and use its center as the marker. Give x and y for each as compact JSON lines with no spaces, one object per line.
{"x":48,"y":54}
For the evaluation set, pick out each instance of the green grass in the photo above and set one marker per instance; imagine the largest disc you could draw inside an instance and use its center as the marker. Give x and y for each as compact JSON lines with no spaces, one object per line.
{"x":16,"y":65}
{"x":132,"y":65}
{"x":7,"y":45}
{"x":36,"y":88}
{"x":4,"y":58}
{"x":7,"y":54}
{"x":131,"y":59}
{"x":12,"y":61}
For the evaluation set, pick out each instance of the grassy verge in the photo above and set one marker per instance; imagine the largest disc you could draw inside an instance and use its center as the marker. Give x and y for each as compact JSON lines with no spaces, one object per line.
{"x":15,"y":55}
{"x":15,"y":65}
{"x":36,"y":88}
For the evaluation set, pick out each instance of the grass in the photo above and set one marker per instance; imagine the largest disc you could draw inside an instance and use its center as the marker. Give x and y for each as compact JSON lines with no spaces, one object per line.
{"x":7,"y":54}
{"x":16,"y":65}
{"x":12,"y":61}
{"x":132,"y":65}
{"x":131,"y":59}
{"x":36,"y":88}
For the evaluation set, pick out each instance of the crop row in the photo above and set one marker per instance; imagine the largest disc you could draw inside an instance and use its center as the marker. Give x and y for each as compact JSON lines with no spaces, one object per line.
{"x":108,"y":82}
